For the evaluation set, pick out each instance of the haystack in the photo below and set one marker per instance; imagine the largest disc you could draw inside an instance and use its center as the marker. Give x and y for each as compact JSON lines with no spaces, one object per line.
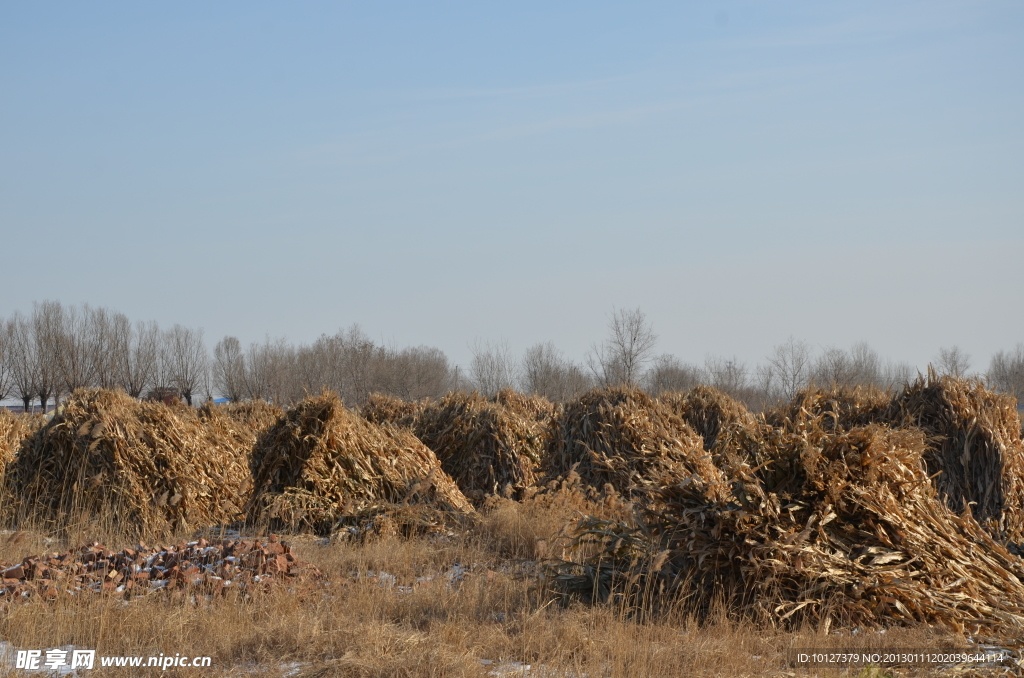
{"x":145,"y":466}
{"x":624,"y":437}
{"x":13,"y":429}
{"x":487,"y":447}
{"x":322,"y":464}
{"x":708,"y":411}
{"x":837,"y":407}
{"x":523,"y":405}
{"x":253,"y":415}
{"x":860,"y":537}
{"x":384,"y":409}
{"x":974,"y":445}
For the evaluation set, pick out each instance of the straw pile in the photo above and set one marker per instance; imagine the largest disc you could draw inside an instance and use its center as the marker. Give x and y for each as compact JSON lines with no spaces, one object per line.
{"x":384,"y":409}
{"x":323,"y":465}
{"x":14,"y":428}
{"x":487,"y":447}
{"x":534,"y":407}
{"x":254,"y":415}
{"x":859,"y":536}
{"x":708,"y":411}
{"x":624,"y":437}
{"x":974,"y":444}
{"x":838,"y":407}
{"x":145,"y":466}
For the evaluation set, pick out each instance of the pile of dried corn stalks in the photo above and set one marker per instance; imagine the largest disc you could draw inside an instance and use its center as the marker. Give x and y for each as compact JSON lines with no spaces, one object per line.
{"x":250,"y":416}
{"x":529,"y":406}
{"x":323,"y":465}
{"x":708,"y":411}
{"x":625,"y":438}
{"x":974,"y":445}
{"x":145,"y":466}
{"x":384,"y":409}
{"x":487,"y":447}
{"x":838,"y":407}
{"x":821,"y":525}
{"x":14,"y":428}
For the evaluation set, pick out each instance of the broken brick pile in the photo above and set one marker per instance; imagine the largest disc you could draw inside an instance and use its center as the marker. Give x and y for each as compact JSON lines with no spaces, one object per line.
{"x":198,"y":567}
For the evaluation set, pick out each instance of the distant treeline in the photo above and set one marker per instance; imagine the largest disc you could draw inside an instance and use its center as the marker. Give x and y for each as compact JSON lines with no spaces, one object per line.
{"x":55,"y":349}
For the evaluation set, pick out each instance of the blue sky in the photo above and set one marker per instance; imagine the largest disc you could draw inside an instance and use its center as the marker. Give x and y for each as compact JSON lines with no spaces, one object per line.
{"x":446,"y":172}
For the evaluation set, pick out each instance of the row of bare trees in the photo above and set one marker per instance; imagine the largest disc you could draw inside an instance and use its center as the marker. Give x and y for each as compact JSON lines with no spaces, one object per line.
{"x":55,"y":349}
{"x":348,"y":363}
{"x":627,"y":357}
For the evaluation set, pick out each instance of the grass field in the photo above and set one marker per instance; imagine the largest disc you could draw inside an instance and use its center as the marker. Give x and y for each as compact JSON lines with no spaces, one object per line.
{"x":470,"y":604}
{"x":724,"y":540}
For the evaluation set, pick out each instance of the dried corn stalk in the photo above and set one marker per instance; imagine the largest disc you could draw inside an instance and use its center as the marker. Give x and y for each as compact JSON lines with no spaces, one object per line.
{"x":385,"y":409}
{"x":487,"y":447}
{"x":148,"y":466}
{"x":851,"y":530}
{"x":625,"y":438}
{"x":322,"y":464}
{"x":708,"y":411}
{"x":253,"y":416}
{"x":974,"y":445}
{"x":838,"y":407}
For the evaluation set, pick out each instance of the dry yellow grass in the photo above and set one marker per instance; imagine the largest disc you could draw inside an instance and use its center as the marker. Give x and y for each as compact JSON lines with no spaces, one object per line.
{"x":389,"y":608}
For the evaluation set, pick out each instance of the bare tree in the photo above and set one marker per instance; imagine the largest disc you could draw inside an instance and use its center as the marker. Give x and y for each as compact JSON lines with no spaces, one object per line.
{"x":352,"y":357}
{"x":228,"y":368}
{"x":268,"y":366}
{"x":788,"y":369}
{"x":546,"y":372}
{"x":866,"y":366}
{"x":24,"y":360}
{"x":669,"y":373}
{"x":834,"y":367}
{"x":6,"y":380}
{"x":186,"y":360}
{"x":139,"y":367}
{"x":728,"y":375}
{"x":47,"y":332}
{"x":111,"y":336}
{"x":953,"y":362}
{"x":69,"y":332}
{"x":1006,"y":372}
{"x":896,"y":375}
{"x":622,"y":356}
{"x":493,"y":368}
{"x":413,"y":373}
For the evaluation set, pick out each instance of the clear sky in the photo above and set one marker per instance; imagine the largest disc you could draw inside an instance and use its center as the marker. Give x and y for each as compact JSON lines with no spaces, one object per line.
{"x":445,"y":172}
